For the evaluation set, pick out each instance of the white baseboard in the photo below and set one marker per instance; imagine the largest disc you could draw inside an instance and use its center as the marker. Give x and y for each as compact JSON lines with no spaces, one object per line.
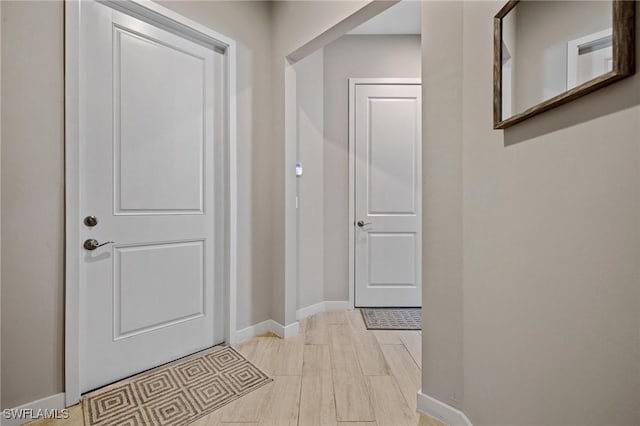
{"x":447,"y":414}
{"x":253,"y":330}
{"x":307,"y":311}
{"x":287,"y":331}
{"x":28,"y":412}
{"x":328,"y":306}
{"x":266,"y":327}
{"x":291,"y":329}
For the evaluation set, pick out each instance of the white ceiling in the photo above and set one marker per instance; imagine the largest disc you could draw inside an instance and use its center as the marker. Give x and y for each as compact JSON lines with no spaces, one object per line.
{"x":402,"y":18}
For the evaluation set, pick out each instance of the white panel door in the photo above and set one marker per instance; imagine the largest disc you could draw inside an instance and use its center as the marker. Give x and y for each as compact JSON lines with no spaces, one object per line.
{"x":388,"y":195}
{"x":149,"y":100}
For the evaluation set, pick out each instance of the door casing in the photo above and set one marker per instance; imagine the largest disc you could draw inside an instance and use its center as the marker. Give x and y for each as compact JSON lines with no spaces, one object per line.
{"x":353,"y":82}
{"x":168,"y":20}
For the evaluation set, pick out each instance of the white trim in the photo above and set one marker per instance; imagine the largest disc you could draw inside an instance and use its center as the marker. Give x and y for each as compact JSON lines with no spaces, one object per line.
{"x":447,"y":414}
{"x":53,"y":402}
{"x":351,"y":220}
{"x":307,"y":311}
{"x":171,"y":21}
{"x":255,"y":330}
{"x":326,"y":306}
{"x":168,"y":19}
{"x":573,"y":53}
{"x":394,"y":81}
{"x":288,"y":330}
{"x":290,"y":185}
{"x":353,"y":82}
{"x":72,"y":203}
{"x":232,"y":116}
{"x":267,"y":326}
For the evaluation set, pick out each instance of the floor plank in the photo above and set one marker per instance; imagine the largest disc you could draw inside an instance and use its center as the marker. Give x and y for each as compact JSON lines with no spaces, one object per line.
{"x":315,"y":330}
{"x":357,"y":423}
{"x":372,"y":361}
{"x":343,"y":353}
{"x":355,"y":319}
{"x":349,"y":384}
{"x":413,"y":342}
{"x":341,"y":334}
{"x":238,"y":424}
{"x":282,"y":406}
{"x":335,"y":317}
{"x":248,"y":408}
{"x":317,"y":404}
{"x":352,"y":398}
{"x":405,"y":371}
{"x":289,"y":357}
{"x":212,"y":419}
{"x":387,"y":337}
{"x":316,"y":360}
{"x":388,"y":403}
{"x":75,"y":418}
{"x":261,"y":351}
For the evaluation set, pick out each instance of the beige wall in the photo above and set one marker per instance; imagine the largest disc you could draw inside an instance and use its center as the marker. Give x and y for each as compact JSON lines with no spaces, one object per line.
{"x":550,"y":210}
{"x":32,"y":182}
{"x":348,"y":57}
{"x":32,"y":201}
{"x":442,"y":270}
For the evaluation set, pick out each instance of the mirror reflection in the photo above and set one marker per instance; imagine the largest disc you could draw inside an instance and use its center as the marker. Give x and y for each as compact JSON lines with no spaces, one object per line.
{"x":549,"y":47}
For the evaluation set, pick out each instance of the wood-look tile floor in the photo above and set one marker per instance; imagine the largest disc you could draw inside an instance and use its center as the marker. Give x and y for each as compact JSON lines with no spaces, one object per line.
{"x":335,"y":372}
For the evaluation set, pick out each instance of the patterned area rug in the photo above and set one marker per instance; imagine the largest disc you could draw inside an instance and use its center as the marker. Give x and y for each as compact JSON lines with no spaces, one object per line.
{"x":392,"y":318}
{"x":175,"y":394}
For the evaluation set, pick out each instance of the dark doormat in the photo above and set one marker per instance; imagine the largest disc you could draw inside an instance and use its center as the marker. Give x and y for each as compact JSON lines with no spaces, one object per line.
{"x":392,"y":318}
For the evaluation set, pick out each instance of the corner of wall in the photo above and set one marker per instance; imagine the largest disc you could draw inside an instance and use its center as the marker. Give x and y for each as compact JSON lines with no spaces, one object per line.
{"x":442,"y":294}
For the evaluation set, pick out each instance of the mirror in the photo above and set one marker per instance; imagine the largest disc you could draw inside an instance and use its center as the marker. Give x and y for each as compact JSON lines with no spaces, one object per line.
{"x":547,"y":53}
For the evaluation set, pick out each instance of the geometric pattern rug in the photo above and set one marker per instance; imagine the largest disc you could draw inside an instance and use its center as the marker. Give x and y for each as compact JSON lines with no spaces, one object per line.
{"x":392,"y":318}
{"x":175,"y":394}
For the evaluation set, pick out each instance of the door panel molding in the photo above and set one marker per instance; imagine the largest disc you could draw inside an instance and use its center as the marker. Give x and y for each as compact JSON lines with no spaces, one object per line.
{"x":353,"y":83}
{"x":140,"y":199}
{"x":170,"y":21}
{"x":123,"y":318}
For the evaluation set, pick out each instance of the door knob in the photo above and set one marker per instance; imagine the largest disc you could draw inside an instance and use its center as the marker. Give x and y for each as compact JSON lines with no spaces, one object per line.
{"x":362,"y":223}
{"x":90,"y":221}
{"x":92,"y":244}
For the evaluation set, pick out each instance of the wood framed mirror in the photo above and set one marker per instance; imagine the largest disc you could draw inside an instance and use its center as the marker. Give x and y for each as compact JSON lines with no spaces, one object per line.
{"x":548,"y":53}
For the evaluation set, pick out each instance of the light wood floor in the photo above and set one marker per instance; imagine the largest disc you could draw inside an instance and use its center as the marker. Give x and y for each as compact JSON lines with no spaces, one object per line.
{"x":335,"y":372}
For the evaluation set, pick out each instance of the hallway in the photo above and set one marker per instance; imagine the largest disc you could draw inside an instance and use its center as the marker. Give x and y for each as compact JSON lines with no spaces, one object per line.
{"x":335,"y":372}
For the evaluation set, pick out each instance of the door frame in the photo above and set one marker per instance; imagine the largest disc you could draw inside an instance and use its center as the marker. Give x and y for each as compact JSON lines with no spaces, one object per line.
{"x":353,"y":83}
{"x":173,"y":22}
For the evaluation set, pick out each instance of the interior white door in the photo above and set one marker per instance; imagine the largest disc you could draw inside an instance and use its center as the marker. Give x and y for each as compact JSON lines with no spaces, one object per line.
{"x":148,"y":101}
{"x":388,"y":149}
